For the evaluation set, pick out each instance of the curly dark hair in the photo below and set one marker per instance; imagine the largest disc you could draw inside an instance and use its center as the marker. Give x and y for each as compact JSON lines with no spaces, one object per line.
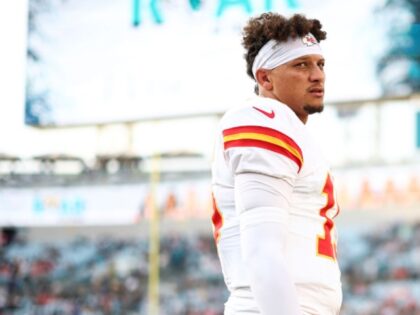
{"x":259,"y":30}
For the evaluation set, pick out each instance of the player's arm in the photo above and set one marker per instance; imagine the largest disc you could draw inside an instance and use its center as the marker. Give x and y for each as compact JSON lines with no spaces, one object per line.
{"x":265,"y":161}
{"x":262,"y":202}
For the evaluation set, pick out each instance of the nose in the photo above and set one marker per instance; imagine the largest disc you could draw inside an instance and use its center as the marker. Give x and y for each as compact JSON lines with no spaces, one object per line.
{"x":317,"y":74}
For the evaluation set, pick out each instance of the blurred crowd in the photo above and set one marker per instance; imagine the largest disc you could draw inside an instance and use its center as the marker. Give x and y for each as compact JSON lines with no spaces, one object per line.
{"x":381,"y":270}
{"x":380,"y":274}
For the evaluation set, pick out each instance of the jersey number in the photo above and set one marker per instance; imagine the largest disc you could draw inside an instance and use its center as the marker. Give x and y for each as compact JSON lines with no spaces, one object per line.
{"x":325,"y":246}
{"x":217,"y":220}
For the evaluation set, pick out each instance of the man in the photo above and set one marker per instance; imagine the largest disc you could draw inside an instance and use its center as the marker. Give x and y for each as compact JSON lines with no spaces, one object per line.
{"x":273,"y":195}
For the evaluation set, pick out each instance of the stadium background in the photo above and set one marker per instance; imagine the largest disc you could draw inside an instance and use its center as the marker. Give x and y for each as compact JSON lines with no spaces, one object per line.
{"x":104,"y":160}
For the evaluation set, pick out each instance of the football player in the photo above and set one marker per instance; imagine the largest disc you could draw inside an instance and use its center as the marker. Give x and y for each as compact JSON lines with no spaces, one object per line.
{"x":274,"y":199}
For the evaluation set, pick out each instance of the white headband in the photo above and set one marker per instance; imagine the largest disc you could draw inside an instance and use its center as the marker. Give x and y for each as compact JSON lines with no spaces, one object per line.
{"x":274,"y":54}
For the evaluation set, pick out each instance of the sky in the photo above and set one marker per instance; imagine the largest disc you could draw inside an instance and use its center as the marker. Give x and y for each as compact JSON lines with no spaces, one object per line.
{"x":12,"y":73}
{"x":352,"y":46}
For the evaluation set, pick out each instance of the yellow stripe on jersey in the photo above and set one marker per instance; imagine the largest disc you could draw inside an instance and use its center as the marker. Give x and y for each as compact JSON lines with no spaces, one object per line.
{"x":265,"y":138}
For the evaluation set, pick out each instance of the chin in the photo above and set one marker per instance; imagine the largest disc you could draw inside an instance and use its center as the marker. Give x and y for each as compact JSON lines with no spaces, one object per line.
{"x":312,"y":108}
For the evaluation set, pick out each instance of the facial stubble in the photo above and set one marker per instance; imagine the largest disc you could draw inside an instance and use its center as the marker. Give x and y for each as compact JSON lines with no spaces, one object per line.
{"x":311,"y":109}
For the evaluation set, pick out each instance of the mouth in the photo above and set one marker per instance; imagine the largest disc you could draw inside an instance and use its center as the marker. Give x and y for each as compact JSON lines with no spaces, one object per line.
{"x":316,"y":92}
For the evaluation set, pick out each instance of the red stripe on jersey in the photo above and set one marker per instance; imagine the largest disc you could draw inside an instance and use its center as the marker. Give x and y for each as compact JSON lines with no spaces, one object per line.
{"x":266,"y":131}
{"x":263,"y":145}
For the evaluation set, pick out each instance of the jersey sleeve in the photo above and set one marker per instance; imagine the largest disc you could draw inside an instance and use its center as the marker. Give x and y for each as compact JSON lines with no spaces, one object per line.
{"x":255,"y":143}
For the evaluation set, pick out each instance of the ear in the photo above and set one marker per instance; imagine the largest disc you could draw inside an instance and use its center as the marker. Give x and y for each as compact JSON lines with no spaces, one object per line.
{"x":263,"y":79}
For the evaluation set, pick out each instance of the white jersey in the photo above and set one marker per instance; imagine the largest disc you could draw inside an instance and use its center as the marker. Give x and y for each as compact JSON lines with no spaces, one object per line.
{"x":266,"y":137}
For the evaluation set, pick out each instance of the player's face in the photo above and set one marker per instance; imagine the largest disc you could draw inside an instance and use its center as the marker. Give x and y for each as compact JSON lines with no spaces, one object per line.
{"x":300,"y":85}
